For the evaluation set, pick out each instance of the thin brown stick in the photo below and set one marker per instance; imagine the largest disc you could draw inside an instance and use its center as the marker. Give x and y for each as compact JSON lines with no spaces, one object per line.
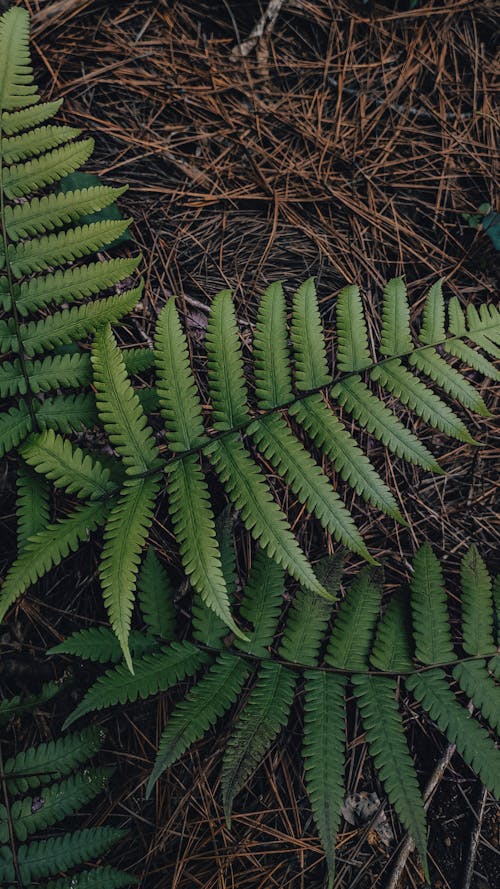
{"x":474,"y":839}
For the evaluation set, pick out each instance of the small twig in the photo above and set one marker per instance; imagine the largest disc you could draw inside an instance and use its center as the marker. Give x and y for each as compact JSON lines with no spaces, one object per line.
{"x":263,"y":26}
{"x":408,"y":844}
{"x":47,"y":16}
{"x":474,"y":839}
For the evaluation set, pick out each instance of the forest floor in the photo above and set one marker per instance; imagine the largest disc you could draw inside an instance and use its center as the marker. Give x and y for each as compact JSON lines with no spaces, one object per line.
{"x":346,"y":144}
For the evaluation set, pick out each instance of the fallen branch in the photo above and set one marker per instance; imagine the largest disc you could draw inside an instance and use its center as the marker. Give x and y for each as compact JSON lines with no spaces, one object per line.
{"x":264,"y":26}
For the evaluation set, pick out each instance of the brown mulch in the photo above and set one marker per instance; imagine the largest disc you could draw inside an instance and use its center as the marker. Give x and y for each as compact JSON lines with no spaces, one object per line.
{"x":346,"y":145}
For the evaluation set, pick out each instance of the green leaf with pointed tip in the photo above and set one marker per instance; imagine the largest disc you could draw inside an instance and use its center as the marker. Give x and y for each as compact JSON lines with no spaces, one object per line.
{"x":477,"y":605}
{"x":15,"y":424}
{"x":49,"y":250}
{"x":395,"y":335}
{"x":473,"y":358}
{"x":99,"y":644}
{"x":474,"y":679}
{"x":429,"y":362}
{"x":309,"y":348}
{"x":97,"y":878}
{"x":43,"y":858}
{"x":68,"y":413}
{"x":432,"y":330}
{"x":17,"y":88}
{"x":32,"y":506}
{"x":228,"y":390}
{"x":431,"y":627}
{"x":67,"y":466}
{"x":352,"y":350}
{"x":305,"y":628}
{"x":29,"y":117}
{"x":40,"y":765}
{"x":393,"y":637}
{"x":53,"y":372}
{"x":25,"y":178}
{"x":261,"y":604}
{"x":350,"y":640}
{"x":156,"y":597}
{"x":273,"y":379}
{"x":35,"y":142}
{"x":41,"y":215}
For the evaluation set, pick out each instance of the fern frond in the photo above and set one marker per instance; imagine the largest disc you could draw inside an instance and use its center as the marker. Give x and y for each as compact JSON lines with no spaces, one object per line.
{"x":353,"y":353}
{"x":152,"y":673}
{"x":44,"y":858}
{"x":35,"y":142}
{"x":305,"y":627}
{"x":67,"y":326}
{"x":261,"y":604}
{"x":22,"y":179}
{"x":39,"y":254}
{"x":124,"y":538}
{"x":98,"y":878}
{"x":395,"y":337}
{"x":430,"y":363}
{"x":486,"y":320}
{"x":203,"y":705}
{"x":119,"y":408}
{"x":432,"y":330}
{"x":15,"y":424}
{"x":277,"y":443}
{"x":67,"y":413}
{"x":247,"y":489}
{"x":15,"y":121}
{"x":350,"y":640}
{"x":32,"y":505}
{"x":473,"y":743}
{"x":474,"y":679}
{"x":477,"y":605}
{"x":156,"y":597}
{"x":51,"y":761}
{"x":226,"y":377}
{"x":324,"y":757}
{"x":270,"y":351}
{"x":10,"y":707}
{"x":47,"y":548}
{"x":194,"y":526}
{"x":331,"y":436}
{"x":176,"y":386}
{"x":99,"y":644}
{"x":67,"y":466}
{"x":16,"y":74}
{"x":431,"y":627}
{"x":473,"y":358}
{"x":264,"y":714}
{"x":394,"y":377}
{"x":376,"y":697}
{"x":354,"y":395}
{"x":71,"y":284}
{"x":60,"y":800}
{"x":311,"y":366}
{"x":53,"y":372}
{"x":41,"y":215}
{"x":391,"y":650}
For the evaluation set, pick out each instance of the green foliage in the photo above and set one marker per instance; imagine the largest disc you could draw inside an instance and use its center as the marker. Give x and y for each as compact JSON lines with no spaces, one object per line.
{"x":42,"y":787}
{"x":370,"y":654}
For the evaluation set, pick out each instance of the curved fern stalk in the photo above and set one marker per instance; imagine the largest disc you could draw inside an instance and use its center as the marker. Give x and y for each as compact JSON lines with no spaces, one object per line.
{"x":41,"y":234}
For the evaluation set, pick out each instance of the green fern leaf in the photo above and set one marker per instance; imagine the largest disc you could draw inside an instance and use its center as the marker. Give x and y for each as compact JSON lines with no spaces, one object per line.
{"x":323,"y":752}
{"x":311,"y":366}
{"x":156,"y":597}
{"x":430,"y":615}
{"x":473,"y":358}
{"x":32,"y":505}
{"x":264,"y":714}
{"x":99,"y":644}
{"x":47,"y":213}
{"x":119,"y":408}
{"x":46,"y":549}
{"x":394,"y":377}
{"x":26,"y":118}
{"x":68,"y":413}
{"x":53,"y":372}
{"x":376,"y":697}
{"x":68,"y":467}
{"x":51,"y":761}
{"x":15,"y":424}
{"x":379,"y":421}
{"x":71,"y":284}
{"x":331,"y":436}
{"x":430,"y":363}
{"x":97,"y":878}
{"x":152,"y":673}
{"x":39,"y":254}
{"x":474,"y":680}
{"x":22,"y":179}
{"x":139,"y":359}
{"x":208,"y":628}
{"x":261,"y":604}
{"x":477,"y":605}
{"x":247,"y":489}
{"x":432,"y":330}
{"x":392,"y":646}
{"x":194,"y":527}
{"x":270,"y":351}
{"x":176,"y":386}
{"x":60,"y":800}
{"x":486,"y":321}
{"x":277,"y":443}
{"x":352,"y":350}
{"x":305,"y":627}
{"x":350,"y":640}
{"x":43,"y":858}
{"x":206,"y":702}
{"x":124,"y":538}
{"x":472,"y":741}
{"x":67,"y":326}
{"x":16,"y":74}
{"x":226,"y":377}
{"x":29,"y":145}
{"x":11,"y":707}
{"x":395,"y":336}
